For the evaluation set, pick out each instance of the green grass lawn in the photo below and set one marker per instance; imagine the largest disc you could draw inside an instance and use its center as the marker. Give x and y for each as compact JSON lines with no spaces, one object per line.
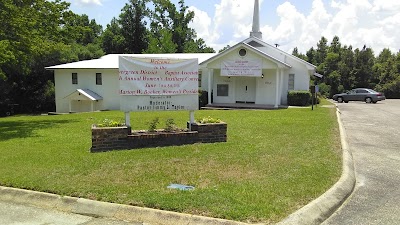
{"x":273,"y":163}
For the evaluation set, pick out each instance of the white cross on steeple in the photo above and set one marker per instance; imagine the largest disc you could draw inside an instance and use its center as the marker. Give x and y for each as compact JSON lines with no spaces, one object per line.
{"x":256,"y":21}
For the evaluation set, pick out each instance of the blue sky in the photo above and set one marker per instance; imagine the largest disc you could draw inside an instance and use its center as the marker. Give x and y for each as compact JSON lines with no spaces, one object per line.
{"x":290,"y":23}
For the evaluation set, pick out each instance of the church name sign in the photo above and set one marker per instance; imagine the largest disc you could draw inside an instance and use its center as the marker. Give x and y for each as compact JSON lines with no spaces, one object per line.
{"x":154,"y":84}
{"x":245,"y":68}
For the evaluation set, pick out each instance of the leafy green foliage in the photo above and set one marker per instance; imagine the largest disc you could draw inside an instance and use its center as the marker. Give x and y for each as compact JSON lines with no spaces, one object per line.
{"x":299,"y":98}
{"x":170,"y":125}
{"x":36,"y":34}
{"x":209,"y":119}
{"x":153,"y":124}
{"x":110,"y":123}
{"x":344,"y":68}
{"x":203,"y":98}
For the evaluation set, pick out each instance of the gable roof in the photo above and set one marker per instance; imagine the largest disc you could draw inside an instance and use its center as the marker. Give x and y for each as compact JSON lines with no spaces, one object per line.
{"x":111,"y":61}
{"x":255,"y":50}
{"x":262,"y":43}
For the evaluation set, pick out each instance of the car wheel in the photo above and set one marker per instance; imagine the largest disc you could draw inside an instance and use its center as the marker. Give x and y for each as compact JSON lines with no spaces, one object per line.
{"x":346,"y":101}
{"x":340,"y":99}
{"x":374,"y":102}
{"x":368,"y":100}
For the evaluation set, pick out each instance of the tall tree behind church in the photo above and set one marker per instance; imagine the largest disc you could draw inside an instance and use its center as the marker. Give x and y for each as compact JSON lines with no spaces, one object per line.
{"x":363,"y":67}
{"x":170,"y":29}
{"x":133,"y":26}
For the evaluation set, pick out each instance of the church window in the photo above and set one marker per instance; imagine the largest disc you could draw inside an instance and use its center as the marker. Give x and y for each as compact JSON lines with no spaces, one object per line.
{"x":291,"y":82}
{"x":99,"y":80}
{"x":222,"y":90}
{"x":74,"y":78}
{"x":242,"y":52}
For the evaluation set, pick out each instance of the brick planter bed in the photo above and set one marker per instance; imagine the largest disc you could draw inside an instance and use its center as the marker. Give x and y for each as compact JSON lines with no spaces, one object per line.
{"x":120,"y":138}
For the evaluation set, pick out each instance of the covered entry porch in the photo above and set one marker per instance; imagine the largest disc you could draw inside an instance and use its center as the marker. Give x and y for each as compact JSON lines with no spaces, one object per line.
{"x":246,"y":77}
{"x":84,"y":100}
{"x":265,"y":90}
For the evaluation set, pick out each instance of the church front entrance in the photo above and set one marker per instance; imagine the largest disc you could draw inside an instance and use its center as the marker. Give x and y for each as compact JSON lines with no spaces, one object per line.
{"x":245,"y":90}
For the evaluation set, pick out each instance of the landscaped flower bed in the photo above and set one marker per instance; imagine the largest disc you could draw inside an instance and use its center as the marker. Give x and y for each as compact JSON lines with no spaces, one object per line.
{"x":117,"y":138}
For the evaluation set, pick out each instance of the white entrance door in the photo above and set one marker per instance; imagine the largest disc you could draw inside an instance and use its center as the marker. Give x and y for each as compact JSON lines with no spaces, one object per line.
{"x":245,"y":90}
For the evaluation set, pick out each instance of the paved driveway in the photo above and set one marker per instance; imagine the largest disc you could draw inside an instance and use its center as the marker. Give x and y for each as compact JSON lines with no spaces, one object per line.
{"x":373,"y":132}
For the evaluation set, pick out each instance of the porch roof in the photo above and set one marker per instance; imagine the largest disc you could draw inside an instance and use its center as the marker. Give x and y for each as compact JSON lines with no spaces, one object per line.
{"x":90,"y":95}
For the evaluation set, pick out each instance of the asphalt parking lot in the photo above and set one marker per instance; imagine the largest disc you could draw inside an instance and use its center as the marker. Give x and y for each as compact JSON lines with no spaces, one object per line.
{"x":373,"y":134}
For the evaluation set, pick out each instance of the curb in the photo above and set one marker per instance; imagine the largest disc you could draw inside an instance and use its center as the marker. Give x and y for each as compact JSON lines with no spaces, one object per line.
{"x":324,"y":206}
{"x":99,"y":209}
{"x":313,"y":213}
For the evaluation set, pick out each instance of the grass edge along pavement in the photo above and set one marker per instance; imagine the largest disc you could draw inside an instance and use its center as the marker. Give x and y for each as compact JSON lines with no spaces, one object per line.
{"x":108,"y":210}
{"x":324,"y":206}
{"x":90,"y":200}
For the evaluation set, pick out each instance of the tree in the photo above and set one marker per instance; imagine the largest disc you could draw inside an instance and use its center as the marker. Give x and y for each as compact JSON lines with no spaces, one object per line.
{"x":346,"y":66}
{"x":167,"y":18}
{"x":112,"y":40}
{"x":133,"y":26}
{"x":364,"y":62}
{"x":332,"y":76}
{"x":311,"y":54}
{"x":322,"y":51}
{"x":384,"y":67}
{"x":162,"y":43}
{"x":35,"y":34}
{"x":296,"y":53}
{"x":335,"y":46}
{"x":224,"y":48}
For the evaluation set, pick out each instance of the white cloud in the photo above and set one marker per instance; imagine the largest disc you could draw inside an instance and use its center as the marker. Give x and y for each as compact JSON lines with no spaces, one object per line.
{"x":202,"y":25}
{"x":89,"y":2}
{"x":232,"y":17}
{"x":386,"y":6}
{"x":371,"y":22}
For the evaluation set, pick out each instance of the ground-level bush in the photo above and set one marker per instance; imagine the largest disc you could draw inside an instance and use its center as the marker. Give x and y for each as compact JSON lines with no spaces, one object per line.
{"x":299,"y":98}
{"x":203,"y":98}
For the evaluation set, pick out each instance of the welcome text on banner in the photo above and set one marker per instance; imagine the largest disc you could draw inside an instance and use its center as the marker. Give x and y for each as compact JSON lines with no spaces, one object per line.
{"x":154,"y":84}
{"x":249,"y":68}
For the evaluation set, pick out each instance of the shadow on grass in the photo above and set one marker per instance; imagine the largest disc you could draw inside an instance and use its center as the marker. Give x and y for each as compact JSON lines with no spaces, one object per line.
{"x":23,"y":129}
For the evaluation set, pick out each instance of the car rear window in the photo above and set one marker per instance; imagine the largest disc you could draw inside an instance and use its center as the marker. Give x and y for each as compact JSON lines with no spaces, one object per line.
{"x":372,"y":91}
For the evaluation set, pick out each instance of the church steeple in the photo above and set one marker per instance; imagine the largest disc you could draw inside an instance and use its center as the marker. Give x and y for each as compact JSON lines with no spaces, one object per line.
{"x":256,"y":21}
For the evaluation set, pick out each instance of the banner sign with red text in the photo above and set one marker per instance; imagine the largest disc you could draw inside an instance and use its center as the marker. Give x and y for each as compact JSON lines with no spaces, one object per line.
{"x":245,"y":68}
{"x":155,"y":84}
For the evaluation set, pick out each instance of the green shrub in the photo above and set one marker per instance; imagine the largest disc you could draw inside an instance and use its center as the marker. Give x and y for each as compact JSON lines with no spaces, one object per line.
{"x":317,"y":100}
{"x":153,"y":124}
{"x":324,"y":89}
{"x":203,"y":98}
{"x":209,"y":120}
{"x":299,"y":98}
{"x":110,"y":123}
{"x":170,"y":125}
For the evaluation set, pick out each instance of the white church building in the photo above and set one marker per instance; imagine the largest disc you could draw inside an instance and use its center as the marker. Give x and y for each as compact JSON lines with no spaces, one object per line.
{"x":93,"y":85}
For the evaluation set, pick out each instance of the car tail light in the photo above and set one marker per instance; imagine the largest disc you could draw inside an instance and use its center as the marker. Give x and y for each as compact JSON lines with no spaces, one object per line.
{"x":379,"y":94}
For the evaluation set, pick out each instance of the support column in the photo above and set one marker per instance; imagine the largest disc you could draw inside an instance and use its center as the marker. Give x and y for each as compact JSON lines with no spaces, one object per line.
{"x":281,"y":87}
{"x":128,"y":119}
{"x":209,"y":85}
{"x":277,"y":88}
{"x":70,"y":105}
{"x":191,"y":120}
